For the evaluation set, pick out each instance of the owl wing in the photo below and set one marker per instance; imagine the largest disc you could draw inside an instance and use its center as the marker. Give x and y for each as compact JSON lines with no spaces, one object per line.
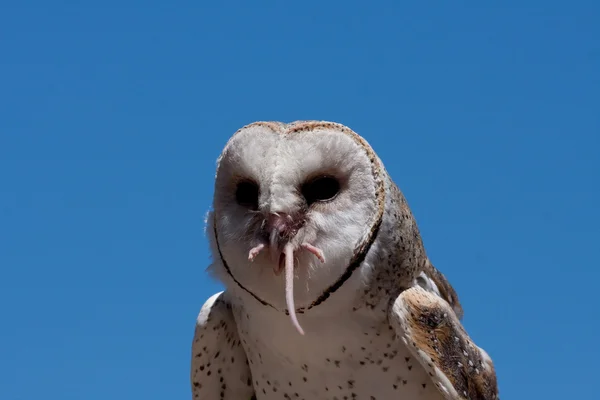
{"x":434,"y":281}
{"x":434,"y":335}
{"x":219,"y":367}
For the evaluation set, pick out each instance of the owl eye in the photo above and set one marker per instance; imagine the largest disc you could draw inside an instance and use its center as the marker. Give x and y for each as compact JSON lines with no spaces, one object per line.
{"x":246,"y":194}
{"x":322,"y":188}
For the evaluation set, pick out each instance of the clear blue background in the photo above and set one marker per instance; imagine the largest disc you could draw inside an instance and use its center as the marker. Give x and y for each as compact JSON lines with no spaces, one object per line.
{"x":113,"y":113}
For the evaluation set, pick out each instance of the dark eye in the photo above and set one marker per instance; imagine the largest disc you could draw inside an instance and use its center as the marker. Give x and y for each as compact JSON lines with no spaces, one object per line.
{"x":322,"y":188}
{"x":246,"y":194}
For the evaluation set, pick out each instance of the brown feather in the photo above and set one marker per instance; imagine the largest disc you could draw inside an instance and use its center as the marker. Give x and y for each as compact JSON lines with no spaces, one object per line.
{"x":446,"y":290}
{"x":435,"y":336}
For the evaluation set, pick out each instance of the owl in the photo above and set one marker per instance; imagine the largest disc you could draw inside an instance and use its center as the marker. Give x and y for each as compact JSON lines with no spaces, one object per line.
{"x":329,"y":293}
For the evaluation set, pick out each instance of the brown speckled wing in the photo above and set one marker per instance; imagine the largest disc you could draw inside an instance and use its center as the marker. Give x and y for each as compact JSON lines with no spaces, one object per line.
{"x":446,"y":290}
{"x":432,"y":332}
{"x":219,"y":367}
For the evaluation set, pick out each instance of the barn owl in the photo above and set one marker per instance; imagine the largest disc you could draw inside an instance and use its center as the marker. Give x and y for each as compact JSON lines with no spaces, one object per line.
{"x":329,"y":293}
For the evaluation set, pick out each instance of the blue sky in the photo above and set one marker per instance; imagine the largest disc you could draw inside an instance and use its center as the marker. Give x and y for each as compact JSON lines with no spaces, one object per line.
{"x":113,"y":114}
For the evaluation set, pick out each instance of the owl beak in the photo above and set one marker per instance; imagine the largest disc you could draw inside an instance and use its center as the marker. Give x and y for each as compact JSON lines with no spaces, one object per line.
{"x":278,"y":229}
{"x":276,"y":232}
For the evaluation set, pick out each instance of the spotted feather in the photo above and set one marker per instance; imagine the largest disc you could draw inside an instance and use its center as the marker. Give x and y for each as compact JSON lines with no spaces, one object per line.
{"x":219,"y":366}
{"x":430,"y":329}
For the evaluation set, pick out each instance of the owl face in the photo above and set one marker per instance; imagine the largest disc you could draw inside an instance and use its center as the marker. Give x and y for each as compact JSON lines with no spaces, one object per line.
{"x":299,"y":198}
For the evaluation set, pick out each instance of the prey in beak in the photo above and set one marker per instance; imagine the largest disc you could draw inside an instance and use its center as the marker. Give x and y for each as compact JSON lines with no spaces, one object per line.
{"x":277,"y":232}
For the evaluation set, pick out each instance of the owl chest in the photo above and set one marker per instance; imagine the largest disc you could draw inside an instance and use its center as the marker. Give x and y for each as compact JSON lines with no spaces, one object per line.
{"x":335,"y":360}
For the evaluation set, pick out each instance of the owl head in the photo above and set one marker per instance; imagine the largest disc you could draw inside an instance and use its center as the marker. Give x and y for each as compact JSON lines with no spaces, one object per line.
{"x":296,"y":210}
